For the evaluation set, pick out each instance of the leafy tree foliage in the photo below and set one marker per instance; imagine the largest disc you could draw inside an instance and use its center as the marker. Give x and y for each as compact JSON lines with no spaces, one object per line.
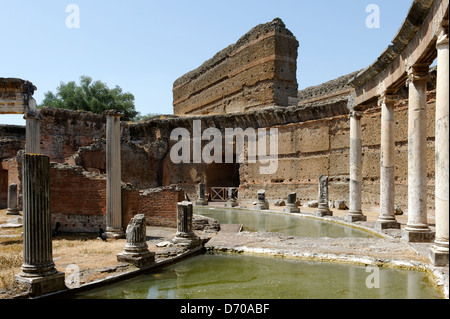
{"x":91,"y":96}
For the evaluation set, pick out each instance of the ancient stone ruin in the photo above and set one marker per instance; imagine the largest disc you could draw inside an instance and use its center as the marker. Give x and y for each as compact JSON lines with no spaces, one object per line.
{"x":378,"y":137}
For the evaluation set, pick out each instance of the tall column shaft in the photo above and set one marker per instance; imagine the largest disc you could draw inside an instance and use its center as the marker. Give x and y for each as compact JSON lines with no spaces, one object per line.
{"x":442,"y":152}
{"x":37,"y":233}
{"x":417,"y":227}
{"x":387,"y":164}
{"x":355,"y":213}
{"x":113,"y":175}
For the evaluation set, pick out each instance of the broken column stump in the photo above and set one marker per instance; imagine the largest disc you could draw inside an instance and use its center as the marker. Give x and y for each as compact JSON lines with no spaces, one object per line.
{"x":262,"y":204}
{"x":185,"y":235}
{"x":231,"y":201}
{"x":291,"y":206}
{"x":201,"y":201}
{"x":324,"y":208}
{"x":136,"y":249}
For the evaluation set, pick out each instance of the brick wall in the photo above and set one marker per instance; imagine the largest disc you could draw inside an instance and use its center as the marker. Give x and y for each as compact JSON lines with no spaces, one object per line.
{"x":258,"y":70}
{"x":160,"y":205}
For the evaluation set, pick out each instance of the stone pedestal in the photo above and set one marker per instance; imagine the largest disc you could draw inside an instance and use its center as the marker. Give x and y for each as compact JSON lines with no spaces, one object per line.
{"x":291,"y":206}
{"x":262,"y":204}
{"x":201,"y":201}
{"x":38,"y":270}
{"x":323,"y":208}
{"x":440,"y":251}
{"x":185,"y":235}
{"x":387,"y":218}
{"x":12,"y":200}
{"x":136,"y":249}
{"x":232,"y":201}
{"x":417,"y":229}
{"x":114,"y":227}
{"x":355,"y":212}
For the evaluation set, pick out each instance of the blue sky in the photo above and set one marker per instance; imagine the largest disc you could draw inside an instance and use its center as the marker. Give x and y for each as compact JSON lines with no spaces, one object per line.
{"x":145,"y":45}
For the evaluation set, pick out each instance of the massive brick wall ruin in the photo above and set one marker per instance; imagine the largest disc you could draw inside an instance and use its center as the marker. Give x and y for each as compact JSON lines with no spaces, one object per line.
{"x":258,"y":70}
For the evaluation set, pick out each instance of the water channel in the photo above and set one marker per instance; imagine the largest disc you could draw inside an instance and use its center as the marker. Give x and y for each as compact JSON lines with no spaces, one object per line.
{"x":288,"y":224}
{"x":226,"y":276}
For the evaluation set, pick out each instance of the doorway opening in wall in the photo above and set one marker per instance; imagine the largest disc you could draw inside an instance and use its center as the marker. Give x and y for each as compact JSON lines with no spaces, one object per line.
{"x":3,"y":188}
{"x":219,"y":177}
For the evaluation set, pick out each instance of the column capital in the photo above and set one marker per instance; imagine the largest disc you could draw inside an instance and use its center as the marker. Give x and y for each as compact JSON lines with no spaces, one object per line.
{"x":442,"y":39}
{"x":387,"y":98}
{"x":32,"y":115}
{"x":417,"y":73}
{"x":356,"y":114}
{"x":112,"y":113}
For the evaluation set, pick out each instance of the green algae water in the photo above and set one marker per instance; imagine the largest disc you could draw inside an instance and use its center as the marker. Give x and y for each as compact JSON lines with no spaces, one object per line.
{"x":292,"y":225}
{"x":226,"y":276}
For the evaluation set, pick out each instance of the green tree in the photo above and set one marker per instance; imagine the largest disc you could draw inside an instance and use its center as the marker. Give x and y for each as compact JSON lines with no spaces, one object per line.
{"x":91,"y":96}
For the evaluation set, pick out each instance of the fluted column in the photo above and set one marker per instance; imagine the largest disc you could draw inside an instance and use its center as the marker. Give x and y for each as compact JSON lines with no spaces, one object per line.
{"x":136,"y":249}
{"x":356,"y":180}
{"x":38,"y":269}
{"x":185,"y":235}
{"x":324,"y":208}
{"x":33,"y":130}
{"x":114,"y":228}
{"x":417,"y":229}
{"x":201,"y":201}
{"x":440,"y":251}
{"x":387,"y":218}
{"x":12,"y":200}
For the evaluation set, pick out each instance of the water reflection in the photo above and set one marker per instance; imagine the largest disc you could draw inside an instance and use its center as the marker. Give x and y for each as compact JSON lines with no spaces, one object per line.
{"x":282,"y":223}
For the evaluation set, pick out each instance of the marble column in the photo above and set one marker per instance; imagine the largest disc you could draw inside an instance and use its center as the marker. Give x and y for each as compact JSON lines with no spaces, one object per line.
{"x":324,"y":207}
{"x":38,"y":270}
{"x":12,"y":200}
{"x":262,"y":204}
{"x":417,"y":229}
{"x":291,"y":205}
{"x":387,"y":219}
{"x":136,"y":249}
{"x":33,"y":129}
{"x":231,"y":201}
{"x":185,"y":235}
{"x":201,"y":196}
{"x":114,"y":227}
{"x":355,"y":213}
{"x":440,"y":251}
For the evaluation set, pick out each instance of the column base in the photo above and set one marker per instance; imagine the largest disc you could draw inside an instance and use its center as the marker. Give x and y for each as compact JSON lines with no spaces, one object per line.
{"x":115,"y":233}
{"x":413,"y":235}
{"x":292,"y":209}
{"x":187,"y":240}
{"x":323,"y":213}
{"x":439,"y":257}
{"x":201,"y":202}
{"x":353,"y":217}
{"x":382,"y":224}
{"x":262,"y":206}
{"x":231,"y":203}
{"x":11,"y":211}
{"x":39,"y":286}
{"x":139,"y":260}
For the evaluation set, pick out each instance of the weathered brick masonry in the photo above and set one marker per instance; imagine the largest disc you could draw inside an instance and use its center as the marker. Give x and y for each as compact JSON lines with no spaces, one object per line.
{"x":258,"y":70}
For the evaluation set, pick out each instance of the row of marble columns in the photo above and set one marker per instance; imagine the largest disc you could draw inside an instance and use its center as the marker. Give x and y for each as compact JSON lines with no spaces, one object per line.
{"x":417,"y":228}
